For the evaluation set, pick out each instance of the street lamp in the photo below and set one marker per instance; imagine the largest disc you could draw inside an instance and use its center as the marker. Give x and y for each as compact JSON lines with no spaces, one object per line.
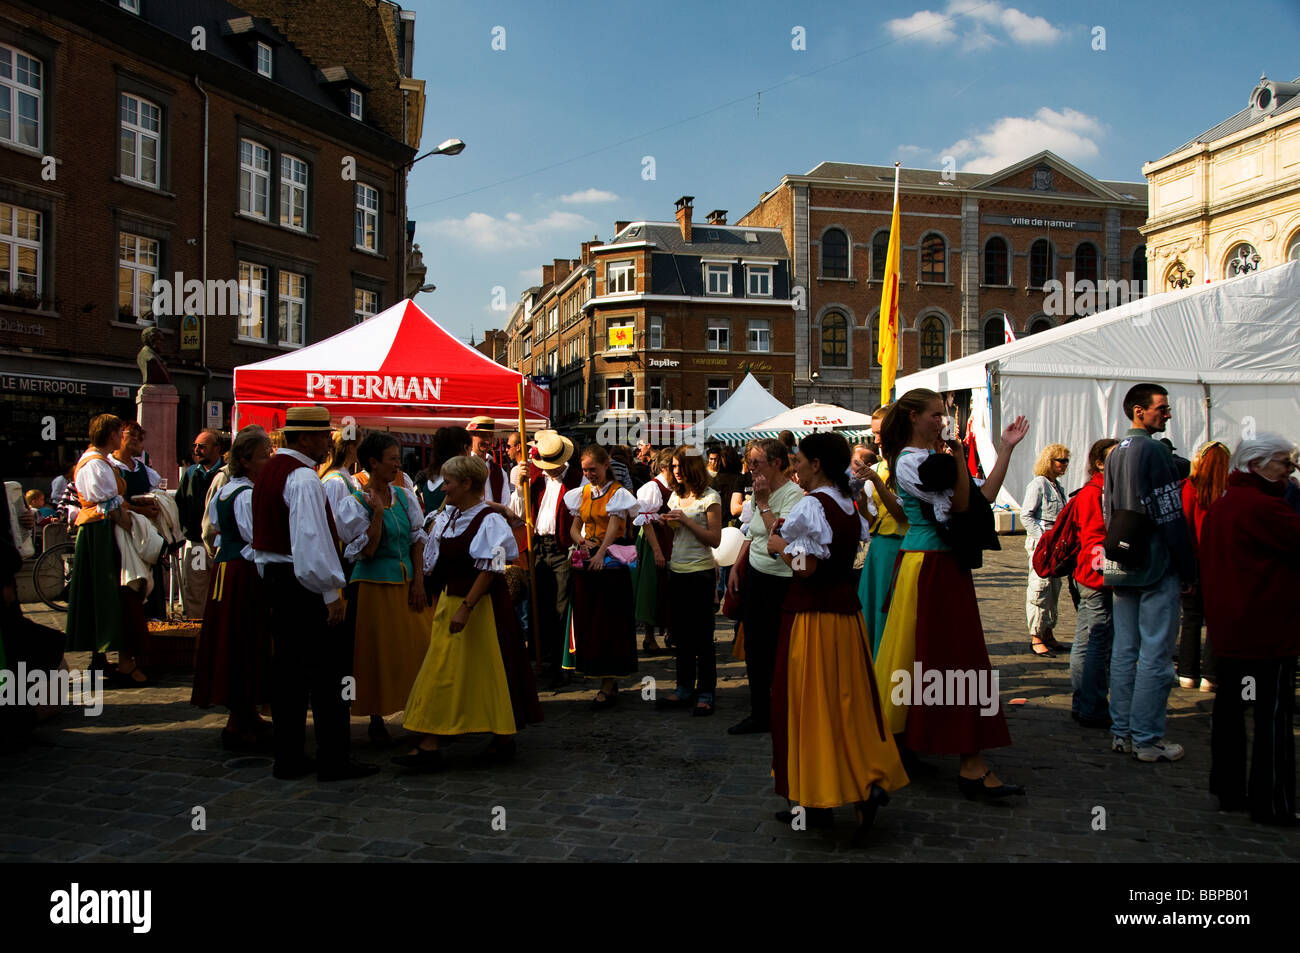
{"x":449,"y":147}
{"x":425,"y":289}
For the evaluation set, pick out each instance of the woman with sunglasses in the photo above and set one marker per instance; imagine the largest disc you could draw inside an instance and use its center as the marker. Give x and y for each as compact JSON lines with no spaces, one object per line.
{"x":1044,"y":500}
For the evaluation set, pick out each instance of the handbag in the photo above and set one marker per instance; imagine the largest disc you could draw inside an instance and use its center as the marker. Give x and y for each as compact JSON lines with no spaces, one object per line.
{"x":731,"y":602}
{"x":1128,"y":538}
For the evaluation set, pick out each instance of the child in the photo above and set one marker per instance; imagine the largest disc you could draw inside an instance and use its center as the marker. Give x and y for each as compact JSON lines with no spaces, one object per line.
{"x":36,"y":501}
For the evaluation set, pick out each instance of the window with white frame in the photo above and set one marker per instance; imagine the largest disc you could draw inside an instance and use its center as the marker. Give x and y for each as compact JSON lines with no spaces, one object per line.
{"x":293,"y":192}
{"x":759,"y":281}
{"x":20,"y":98}
{"x":130,"y":6}
{"x":264,"y":60}
{"x":621,"y":334}
{"x":356,"y":104}
{"x":254,"y":178}
{"x":140,"y":139}
{"x":528,"y":345}
{"x":137,"y":270}
{"x":717,"y":279}
{"x":619,"y":394}
{"x":760,"y":335}
{"x":254,"y":292}
{"x":656,"y":328}
{"x":366,"y":223}
{"x":293,"y":309}
{"x":719,"y":338}
{"x":620,"y":277}
{"x":365,"y":304}
{"x":718,"y":391}
{"x":552,"y":320}
{"x":20,"y":250}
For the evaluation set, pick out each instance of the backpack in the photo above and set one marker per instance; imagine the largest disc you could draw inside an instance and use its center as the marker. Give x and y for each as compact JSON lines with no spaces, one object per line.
{"x":1058,"y":548}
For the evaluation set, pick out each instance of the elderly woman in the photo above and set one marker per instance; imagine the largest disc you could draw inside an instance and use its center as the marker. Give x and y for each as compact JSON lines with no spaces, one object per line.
{"x":1250,"y":572}
{"x":1044,"y":500}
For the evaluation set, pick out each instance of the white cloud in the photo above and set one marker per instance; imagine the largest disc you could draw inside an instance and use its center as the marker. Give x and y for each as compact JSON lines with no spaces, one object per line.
{"x":976,"y":24}
{"x":531,"y":276}
{"x":588,"y":197}
{"x":1069,"y":133}
{"x":488,"y":233}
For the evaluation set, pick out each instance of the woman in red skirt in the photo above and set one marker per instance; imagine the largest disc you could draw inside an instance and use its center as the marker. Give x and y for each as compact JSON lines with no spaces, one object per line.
{"x":233,"y":655}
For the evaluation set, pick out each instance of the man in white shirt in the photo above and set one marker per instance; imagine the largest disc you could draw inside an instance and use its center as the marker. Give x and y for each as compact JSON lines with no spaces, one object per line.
{"x":294,"y":551}
{"x":482,"y":433}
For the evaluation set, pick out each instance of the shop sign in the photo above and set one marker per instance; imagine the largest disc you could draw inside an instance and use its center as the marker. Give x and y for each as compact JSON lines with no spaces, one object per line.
{"x":190,"y":338}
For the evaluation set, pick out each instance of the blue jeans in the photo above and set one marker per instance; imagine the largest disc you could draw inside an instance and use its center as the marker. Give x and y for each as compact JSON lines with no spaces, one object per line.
{"x":1142,"y":658}
{"x":1090,"y":652}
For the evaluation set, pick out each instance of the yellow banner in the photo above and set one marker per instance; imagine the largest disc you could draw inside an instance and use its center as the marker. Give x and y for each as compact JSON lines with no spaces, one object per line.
{"x":887,"y":351}
{"x":621,"y":335}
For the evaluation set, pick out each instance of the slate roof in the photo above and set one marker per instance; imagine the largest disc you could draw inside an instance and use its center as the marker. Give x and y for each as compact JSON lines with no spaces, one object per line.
{"x":1237,"y":122}
{"x":706,"y":239}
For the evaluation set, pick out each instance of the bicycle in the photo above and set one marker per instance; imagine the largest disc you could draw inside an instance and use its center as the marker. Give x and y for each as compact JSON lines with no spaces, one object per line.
{"x":52,"y":574}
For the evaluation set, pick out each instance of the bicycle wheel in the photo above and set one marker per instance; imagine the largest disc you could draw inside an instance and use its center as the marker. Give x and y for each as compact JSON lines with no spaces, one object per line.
{"x":52,"y":575}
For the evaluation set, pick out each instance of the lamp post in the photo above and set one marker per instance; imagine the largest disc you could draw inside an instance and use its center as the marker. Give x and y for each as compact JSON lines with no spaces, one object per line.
{"x":448,"y":147}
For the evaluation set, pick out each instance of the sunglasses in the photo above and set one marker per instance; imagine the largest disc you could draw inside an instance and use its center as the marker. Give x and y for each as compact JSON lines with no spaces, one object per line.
{"x":1060,"y":459}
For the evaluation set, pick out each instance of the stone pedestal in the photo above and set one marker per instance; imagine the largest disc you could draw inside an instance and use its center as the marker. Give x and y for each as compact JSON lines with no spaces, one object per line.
{"x":156,"y":413}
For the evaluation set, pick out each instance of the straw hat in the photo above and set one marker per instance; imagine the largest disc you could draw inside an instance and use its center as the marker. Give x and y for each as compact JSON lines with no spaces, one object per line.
{"x":306,"y":419}
{"x":482,"y":425}
{"x":552,"y":450}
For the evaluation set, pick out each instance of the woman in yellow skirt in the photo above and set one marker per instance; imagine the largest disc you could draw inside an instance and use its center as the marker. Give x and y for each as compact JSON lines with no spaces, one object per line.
{"x":461,"y":688}
{"x":829,"y":739}
{"x":382,"y":527}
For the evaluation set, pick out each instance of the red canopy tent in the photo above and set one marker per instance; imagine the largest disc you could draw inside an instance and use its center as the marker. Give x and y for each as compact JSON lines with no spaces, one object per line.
{"x":400,"y":370}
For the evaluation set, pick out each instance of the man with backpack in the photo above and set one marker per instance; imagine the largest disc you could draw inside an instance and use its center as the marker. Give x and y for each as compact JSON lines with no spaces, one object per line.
{"x":1148,"y":550}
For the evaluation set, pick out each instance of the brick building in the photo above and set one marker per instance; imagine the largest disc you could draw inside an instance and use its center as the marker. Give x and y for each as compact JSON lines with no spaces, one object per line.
{"x":260,"y":146}
{"x":668,"y":316}
{"x":975,"y":247}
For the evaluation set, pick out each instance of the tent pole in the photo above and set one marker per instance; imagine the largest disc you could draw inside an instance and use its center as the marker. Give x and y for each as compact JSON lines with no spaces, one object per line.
{"x":528,"y":529}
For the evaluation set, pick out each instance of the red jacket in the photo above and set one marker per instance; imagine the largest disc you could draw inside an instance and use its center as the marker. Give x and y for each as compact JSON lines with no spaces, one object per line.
{"x":1250,"y":570}
{"x":1092,"y":531}
{"x":1192,"y":510}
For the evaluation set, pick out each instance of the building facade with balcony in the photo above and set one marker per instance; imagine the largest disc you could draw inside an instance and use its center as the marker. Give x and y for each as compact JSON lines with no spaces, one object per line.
{"x":977,"y":253}
{"x":1228,"y":202}
{"x":666,"y":317}
{"x":235,"y":176}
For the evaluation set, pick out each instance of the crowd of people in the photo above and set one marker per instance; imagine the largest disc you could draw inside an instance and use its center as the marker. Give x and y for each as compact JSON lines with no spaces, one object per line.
{"x":327,"y":575}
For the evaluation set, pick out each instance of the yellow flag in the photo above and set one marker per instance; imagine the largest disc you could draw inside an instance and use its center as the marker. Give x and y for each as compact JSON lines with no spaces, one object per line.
{"x":887,"y":350}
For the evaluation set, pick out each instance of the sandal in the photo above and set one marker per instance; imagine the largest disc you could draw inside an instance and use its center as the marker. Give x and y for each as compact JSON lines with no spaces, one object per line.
{"x":121,"y":679}
{"x":1046,"y":649}
{"x":704,"y":706}
{"x":605,"y":700}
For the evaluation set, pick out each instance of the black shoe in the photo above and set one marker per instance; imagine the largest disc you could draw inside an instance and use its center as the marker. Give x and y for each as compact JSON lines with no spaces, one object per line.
{"x":975,"y":790}
{"x":424,"y":759}
{"x":379,"y":736}
{"x":878,"y":798}
{"x":346,"y":771}
{"x":293,"y":770}
{"x":748,"y":726}
{"x":818,"y":817}
{"x":609,"y":700}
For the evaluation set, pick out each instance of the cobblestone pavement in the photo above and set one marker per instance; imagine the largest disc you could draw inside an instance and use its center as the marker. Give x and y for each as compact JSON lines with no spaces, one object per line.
{"x":631,"y":784}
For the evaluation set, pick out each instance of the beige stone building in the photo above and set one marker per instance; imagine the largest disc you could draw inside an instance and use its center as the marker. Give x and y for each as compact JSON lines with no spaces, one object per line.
{"x":1228,"y":201}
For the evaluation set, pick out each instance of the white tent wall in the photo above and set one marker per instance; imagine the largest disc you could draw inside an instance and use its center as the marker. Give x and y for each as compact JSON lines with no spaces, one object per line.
{"x":1236,"y":341}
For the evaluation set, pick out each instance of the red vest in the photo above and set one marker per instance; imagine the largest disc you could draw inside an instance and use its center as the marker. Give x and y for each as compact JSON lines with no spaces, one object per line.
{"x":571,"y":480}
{"x":830,"y":588}
{"x":270,"y":512}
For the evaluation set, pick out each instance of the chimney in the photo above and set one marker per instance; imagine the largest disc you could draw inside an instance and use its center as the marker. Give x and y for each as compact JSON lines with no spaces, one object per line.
{"x":684,"y":208}
{"x":548,"y":275}
{"x":619,"y":226}
{"x":718,"y":216}
{"x":560,"y":268}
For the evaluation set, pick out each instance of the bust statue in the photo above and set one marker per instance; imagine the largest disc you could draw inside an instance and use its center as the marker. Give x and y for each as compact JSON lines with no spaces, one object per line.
{"x":152,"y":369}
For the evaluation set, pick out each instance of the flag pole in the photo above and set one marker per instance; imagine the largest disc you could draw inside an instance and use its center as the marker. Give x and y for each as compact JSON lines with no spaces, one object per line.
{"x":887,"y":331}
{"x":528,"y":526}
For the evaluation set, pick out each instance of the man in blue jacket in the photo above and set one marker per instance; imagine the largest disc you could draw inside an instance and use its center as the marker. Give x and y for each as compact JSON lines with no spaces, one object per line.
{"x":1149,"y":559}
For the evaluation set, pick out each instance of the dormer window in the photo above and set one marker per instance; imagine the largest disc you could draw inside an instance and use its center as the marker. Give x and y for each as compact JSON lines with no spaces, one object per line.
{"x":717,"y":280}
{"x":356,"y":103}
{"x":264,"y":60}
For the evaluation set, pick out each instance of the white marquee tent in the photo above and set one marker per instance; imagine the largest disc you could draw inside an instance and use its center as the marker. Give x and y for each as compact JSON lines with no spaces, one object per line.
{"x":748,"y":404}
{"x":1229,"y":354}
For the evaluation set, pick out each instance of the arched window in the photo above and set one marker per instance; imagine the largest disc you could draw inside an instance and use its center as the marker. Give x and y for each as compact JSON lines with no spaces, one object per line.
{"x":1040,"y":324}
{"x":1242,"y":259}
{"x":997,"y":262}
{"x":995,"y":331}
{"x":1140,"y":263}
{"x":934,"y":258}
{"x":1085,"y":262}
{"x":1293,"y":249}
{"x":934,"y":341}
{"x":835,"y":254}
{"x":879,"y":255}
{"x":1042,"y":263}
{"x":835,"y":340}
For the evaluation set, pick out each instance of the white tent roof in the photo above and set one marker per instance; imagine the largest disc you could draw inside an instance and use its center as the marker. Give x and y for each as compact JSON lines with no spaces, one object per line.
{"x":814,"y":416}
{"x":1244,"y":330}
{"x":750,"y":403}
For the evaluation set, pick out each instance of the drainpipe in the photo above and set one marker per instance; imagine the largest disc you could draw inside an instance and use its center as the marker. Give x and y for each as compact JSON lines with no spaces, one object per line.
{"x":203,"y":253}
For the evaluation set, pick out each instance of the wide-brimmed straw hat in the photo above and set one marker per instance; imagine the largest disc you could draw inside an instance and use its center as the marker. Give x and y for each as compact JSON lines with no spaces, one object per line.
{"x":306,"y":419}
{"x":551,"y":450}
{"x":482,"y":425}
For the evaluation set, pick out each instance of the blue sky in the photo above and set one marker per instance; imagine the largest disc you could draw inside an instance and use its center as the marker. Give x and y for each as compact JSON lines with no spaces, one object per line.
{"x":558,"y":123}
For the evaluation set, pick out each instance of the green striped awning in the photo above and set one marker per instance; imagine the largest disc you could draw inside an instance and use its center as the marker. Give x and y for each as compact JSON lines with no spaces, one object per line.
{"x":738,"y":438}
